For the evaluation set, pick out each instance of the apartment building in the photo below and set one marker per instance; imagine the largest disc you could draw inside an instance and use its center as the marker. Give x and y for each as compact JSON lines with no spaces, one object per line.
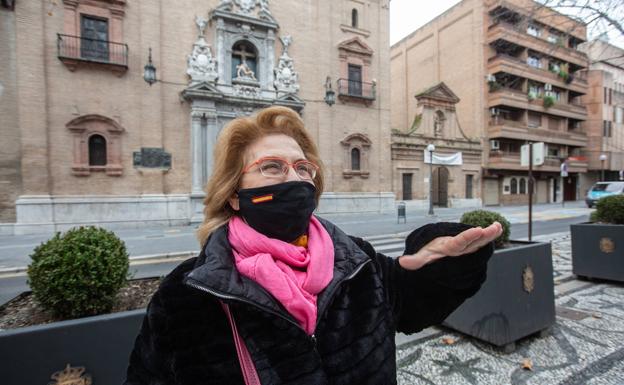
{"x":605,"y":103}
{"x":519,"y":74}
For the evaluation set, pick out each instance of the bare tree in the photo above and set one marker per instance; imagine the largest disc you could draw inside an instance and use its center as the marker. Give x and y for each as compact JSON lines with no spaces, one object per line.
{"x":600,"y":16}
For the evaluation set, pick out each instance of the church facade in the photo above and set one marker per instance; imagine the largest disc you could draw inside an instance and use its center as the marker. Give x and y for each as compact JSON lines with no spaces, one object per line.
{"x":113,"y":107}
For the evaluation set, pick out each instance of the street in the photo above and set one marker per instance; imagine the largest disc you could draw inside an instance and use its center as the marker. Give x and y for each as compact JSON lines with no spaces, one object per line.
{"x":156,"y":251}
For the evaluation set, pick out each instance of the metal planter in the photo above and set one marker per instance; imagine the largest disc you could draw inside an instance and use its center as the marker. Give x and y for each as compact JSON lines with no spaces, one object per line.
{"x":598,"y":250}
{"x":516,"y":300}
{"x":100,"y":344}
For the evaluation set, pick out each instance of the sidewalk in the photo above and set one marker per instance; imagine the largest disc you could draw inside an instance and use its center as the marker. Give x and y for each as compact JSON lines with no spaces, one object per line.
{"x":584,"y":347}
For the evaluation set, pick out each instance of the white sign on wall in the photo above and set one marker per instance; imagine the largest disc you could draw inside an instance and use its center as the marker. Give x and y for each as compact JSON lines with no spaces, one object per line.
{"x":538,"y":154}
{"x":449,"y":160}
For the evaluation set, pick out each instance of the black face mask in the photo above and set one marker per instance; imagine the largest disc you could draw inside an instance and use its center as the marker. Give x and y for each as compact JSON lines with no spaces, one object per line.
{"x":280,"y":211}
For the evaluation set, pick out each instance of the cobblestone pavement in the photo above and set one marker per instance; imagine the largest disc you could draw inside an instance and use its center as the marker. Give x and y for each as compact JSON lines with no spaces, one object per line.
{"x":584,"y":347}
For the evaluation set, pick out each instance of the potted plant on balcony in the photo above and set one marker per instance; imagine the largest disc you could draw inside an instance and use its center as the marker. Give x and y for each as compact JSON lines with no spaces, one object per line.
{"x":517,"y":298}
{"x":549,"y":101}
{"x":597,"y":250}
{"x":78,"y":274}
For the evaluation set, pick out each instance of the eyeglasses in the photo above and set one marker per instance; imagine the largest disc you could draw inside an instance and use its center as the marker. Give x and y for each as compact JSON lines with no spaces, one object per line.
{"x":274,"y":167}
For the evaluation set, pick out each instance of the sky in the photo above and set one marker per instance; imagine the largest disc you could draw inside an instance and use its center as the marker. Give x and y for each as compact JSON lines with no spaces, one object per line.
{"x":409,"y":15}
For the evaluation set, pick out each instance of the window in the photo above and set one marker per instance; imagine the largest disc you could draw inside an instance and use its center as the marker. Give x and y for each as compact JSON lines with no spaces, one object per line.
{"x":244,"y":61}
{"x":355,"y":80}
{"x":355,"y":159}
{"x":407,"y":187}
{"x":534,"y":61}
{"x":522,"y":186}
{"x":534,"y":90}
{"x":469,"y":180}
{"x":514,"y":186}
{"x":94,"y":38}
{"x":354,"y":18}
{"x":97,"y":145}
{"x":618,"y":115}
{"x":606,"y":128}
{"x":535,"y":119}
{"x":605,"y":93}
{"x":553,"y":151}
{"x":534,"y":30}
{"x":97,"y":150}
{"x":356,"y":149}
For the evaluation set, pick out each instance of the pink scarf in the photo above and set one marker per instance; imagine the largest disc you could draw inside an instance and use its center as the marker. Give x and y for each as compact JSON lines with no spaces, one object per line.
{"x":293,"y":274}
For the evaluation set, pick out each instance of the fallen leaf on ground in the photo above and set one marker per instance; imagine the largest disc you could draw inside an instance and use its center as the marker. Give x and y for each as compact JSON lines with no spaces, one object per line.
{"x":527,"y":364}
{"x":596,"y":315}
{"x":448,"y":341}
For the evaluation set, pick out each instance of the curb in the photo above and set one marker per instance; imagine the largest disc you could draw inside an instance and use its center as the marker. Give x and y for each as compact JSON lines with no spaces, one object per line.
{"x":137,"y":259}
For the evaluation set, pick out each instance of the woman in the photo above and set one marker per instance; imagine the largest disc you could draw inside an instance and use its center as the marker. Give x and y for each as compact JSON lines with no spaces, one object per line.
{"x":284,"y":297}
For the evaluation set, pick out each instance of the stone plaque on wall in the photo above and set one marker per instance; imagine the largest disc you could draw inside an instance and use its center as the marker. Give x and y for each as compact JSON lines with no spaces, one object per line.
{"x":150,"y":157}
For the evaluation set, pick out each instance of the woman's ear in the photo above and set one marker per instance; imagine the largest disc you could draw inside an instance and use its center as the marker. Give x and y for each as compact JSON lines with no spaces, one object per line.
{"x":233,"y":200}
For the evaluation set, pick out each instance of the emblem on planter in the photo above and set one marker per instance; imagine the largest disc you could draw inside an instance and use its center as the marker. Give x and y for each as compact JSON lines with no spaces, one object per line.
{"x":71,"y":376}
{"x":528,"y":279}
{"x":607,"y":245}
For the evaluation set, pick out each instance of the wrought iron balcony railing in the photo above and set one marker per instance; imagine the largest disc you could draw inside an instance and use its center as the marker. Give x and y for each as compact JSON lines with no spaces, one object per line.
{"x":357,"y":89}
{"x":92,"y":50}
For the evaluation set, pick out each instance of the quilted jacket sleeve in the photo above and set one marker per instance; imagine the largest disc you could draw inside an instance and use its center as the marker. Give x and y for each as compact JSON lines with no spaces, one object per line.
{"x":425,"y":297}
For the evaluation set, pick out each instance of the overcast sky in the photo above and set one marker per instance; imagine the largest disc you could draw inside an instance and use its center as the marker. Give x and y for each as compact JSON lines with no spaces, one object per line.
{"x":409,"y":15}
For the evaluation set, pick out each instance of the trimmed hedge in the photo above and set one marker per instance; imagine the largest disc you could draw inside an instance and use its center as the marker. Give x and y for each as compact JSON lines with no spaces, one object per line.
{"x":484,"y":218}
{"x":610,"y":210}
{"x":79,"y":273}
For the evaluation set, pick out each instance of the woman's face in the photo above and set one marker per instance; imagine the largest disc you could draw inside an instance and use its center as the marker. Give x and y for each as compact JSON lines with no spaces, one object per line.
{"x":275,"y":145}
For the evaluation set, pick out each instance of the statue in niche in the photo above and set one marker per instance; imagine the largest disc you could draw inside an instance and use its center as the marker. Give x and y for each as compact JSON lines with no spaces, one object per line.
{"x":438,"y":124}
{"x":244,"y":72}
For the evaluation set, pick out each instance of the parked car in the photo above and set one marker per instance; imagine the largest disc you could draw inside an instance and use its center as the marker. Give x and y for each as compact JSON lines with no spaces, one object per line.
{"x":601,"y":190}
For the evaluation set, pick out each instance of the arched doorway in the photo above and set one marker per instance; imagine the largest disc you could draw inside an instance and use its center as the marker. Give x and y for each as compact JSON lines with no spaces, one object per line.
{"x":440,"y":186}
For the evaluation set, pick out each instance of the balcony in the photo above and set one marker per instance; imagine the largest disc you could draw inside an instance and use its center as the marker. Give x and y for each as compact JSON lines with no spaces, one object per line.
{"x":512,"y":65}
{"x":512,"y":33}
{"x":74,"y":50}
{"x":518,"y":99}
{"x":503,"y":128}
{"x":356,"y":91}
{"x":511,"y":161}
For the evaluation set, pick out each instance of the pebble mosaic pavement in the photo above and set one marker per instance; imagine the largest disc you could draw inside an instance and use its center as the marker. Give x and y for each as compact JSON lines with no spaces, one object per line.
{"x":584,"y":347}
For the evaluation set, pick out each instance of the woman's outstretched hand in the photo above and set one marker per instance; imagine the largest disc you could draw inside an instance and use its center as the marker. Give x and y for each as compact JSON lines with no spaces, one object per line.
{"x":465,"y":242}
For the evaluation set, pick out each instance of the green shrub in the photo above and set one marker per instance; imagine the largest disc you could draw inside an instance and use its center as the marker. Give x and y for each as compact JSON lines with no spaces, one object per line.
{"x":549,"y":101}
{"x":485,"y":218}
{"x":78,"y":273}
{"x":610,"y":209}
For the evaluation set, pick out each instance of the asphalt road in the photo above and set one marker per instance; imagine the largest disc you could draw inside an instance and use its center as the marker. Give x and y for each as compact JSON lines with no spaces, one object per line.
{"x":12,"y":285}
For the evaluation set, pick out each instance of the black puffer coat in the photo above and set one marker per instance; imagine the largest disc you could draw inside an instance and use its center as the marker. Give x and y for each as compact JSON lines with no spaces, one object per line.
{"x":186,"y":339}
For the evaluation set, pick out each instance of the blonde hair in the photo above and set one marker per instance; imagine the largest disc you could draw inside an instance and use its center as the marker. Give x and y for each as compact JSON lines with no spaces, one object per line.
{"x":229,"y":160}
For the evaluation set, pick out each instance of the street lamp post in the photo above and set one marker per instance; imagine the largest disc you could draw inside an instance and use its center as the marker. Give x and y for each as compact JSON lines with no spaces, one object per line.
{"x":431,"y":149}
{"x":603,"y":157}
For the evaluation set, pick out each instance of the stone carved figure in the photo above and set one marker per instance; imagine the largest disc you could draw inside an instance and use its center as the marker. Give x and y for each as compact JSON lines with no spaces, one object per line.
{"x":286,"y":79}
{"x":264,"y":12}
{"x":225,"y":5}
{"x":244,"y":72}
{"x":246,"y":6}
{"x":201,"y":24}
{"x":201,"y":66}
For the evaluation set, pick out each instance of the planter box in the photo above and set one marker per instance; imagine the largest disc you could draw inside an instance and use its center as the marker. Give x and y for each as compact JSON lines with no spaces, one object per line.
{"x":598,"y":250}
{"x":101,"y":344}
{"x":516,"y":300}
